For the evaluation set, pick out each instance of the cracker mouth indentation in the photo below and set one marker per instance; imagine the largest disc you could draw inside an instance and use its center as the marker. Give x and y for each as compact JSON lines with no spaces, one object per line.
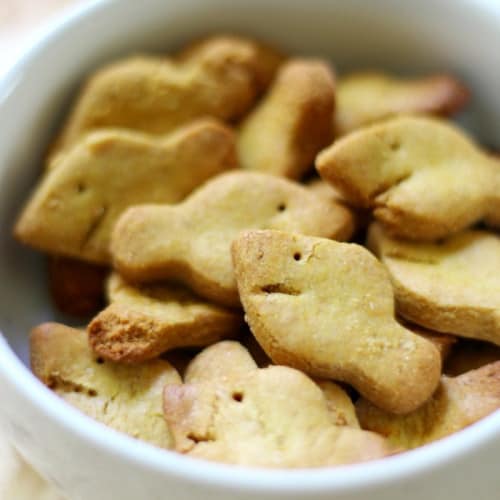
{"x":94,"y":226}
{"x":282,"y":288}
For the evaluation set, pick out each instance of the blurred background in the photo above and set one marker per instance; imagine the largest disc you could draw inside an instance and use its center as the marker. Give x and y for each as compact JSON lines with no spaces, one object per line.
{"x":19,"y":22}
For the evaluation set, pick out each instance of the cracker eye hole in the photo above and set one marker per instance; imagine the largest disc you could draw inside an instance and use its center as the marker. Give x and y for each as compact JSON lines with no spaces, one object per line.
{"x":193,"y":437}
{"x":297,"y":256}
{"x":282,"y":207}
{"x":395,"y":145}
{"x":238,"y":396}
{"x":81,"y":187}
{"x":99,"y":361}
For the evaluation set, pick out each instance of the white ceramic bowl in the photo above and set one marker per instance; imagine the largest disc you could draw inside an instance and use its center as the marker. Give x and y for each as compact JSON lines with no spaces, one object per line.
{"x":89,"y":461}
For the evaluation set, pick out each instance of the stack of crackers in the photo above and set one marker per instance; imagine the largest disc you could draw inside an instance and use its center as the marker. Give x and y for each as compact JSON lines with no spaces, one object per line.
{"x":244,"y":309}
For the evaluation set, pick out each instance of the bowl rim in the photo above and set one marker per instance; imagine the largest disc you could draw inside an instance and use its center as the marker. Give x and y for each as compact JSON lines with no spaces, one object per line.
{"x":339,"y":479}
{"x":347,"y":478}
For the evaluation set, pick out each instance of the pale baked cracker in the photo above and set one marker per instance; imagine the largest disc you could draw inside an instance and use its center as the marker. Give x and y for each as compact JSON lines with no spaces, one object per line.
{"x":271,"y":417}
{"x":323,"y":188}
{"x":227,"y":359}
{"x":129,"y":399}
{"x":340,"y":405}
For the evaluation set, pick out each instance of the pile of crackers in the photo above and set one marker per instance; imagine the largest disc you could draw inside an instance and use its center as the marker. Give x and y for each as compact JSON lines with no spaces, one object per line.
{"x":244,"y":309}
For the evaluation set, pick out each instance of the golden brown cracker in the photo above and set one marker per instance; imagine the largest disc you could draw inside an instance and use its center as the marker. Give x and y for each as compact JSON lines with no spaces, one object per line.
{"x":219,"y":77}
{"x":442,"y":342}
{"x":423,"y":178}
{"x":219,"y":50}
{"x":293,"y":122}
{"x":143,"y":322}
{"x":451,"y":286}
{"x":76,"y":205}
{"x":367,"y":97}
{"x":327,"y":308}
{"x":190,"y":242}
{"x":362,"y":217}
{"x":457,"y":403}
